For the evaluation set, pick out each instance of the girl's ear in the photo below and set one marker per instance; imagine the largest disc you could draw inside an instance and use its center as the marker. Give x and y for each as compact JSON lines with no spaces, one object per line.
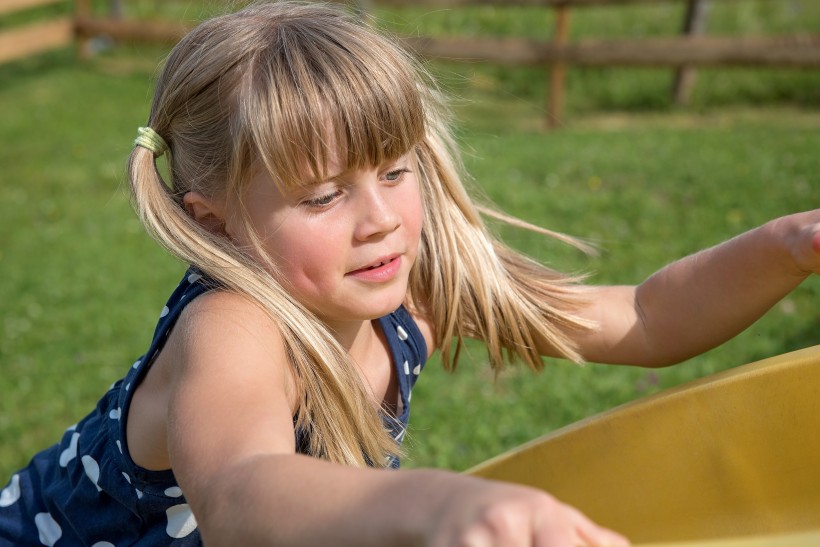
{"x":207,"y":212}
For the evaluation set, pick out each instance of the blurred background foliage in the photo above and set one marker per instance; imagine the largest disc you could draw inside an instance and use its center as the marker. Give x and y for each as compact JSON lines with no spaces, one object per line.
{"x":81,"y":285}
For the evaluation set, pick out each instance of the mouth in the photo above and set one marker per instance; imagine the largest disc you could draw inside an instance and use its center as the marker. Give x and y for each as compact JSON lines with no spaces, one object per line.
{"x":381,"y":268}
{"x":379,"y":265}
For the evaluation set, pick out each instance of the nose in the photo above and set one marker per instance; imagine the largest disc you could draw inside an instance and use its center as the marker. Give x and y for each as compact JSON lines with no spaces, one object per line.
{"x":378,"y":214}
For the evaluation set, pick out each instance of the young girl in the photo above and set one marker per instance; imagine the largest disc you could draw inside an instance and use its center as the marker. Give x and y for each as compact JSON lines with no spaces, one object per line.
{"x":315,"y":191}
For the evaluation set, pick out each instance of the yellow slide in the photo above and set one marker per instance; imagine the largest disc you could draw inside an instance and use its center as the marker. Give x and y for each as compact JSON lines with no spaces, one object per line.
{"x":731,"y":460}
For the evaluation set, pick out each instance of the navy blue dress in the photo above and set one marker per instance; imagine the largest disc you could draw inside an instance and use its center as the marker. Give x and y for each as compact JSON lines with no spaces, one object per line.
{"x":87,"y":490}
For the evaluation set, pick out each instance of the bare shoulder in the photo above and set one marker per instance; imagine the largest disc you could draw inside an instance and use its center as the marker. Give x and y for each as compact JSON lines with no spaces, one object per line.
{"x":223,"y":309}
{"x":226,"y":333}
{"x":224,"y":351}
{"x":231,"y":394}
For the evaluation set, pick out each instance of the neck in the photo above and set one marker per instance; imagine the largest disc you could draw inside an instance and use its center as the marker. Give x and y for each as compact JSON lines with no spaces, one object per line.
{"x":355,"y":337}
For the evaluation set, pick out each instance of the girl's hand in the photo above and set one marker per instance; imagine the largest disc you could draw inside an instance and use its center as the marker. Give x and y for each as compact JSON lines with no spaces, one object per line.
{"x":484,"y":513}
{"x":803,"y":240}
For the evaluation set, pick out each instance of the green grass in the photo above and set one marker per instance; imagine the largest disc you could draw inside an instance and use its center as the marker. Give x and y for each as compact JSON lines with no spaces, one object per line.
{"x":82,"y":284}
{"x":647,"y":194}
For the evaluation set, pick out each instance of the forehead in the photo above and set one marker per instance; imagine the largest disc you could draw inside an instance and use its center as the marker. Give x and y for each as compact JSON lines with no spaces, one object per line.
{"x":331,"y":103}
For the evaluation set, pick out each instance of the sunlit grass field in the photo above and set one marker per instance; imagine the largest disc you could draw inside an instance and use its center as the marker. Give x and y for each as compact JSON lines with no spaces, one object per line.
{"x":81,"y":285}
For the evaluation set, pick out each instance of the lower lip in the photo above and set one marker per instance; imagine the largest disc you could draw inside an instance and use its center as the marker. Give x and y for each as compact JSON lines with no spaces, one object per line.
{"x":383,"y":273}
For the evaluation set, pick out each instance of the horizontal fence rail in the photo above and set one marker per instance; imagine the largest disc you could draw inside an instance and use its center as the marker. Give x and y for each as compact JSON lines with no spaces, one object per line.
{"x":501,"y":3}
{"x":682,"y":53}
{"x":13,"y":6}
{"x":555,"y":51}
{"x":786,"y":51}
{"x":33,"y":38}
{"x":36,"y":38}
{"x":130,"y":31}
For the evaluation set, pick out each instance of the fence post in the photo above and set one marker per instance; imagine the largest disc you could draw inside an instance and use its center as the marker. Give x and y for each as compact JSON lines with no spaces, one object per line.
{"x":558,"y":70}
{"x":82,"y":12}
{"x":685,"y":76}
{"x":116,"y":9}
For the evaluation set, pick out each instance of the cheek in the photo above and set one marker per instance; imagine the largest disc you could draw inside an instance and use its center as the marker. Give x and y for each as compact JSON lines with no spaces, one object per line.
{"x":306,"y":260}
{"x":415,"y":223}
{"x":412,"y":208}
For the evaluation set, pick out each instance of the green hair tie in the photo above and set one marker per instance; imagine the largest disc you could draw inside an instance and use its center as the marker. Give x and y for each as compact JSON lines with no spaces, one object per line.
{"x":150,"y":139}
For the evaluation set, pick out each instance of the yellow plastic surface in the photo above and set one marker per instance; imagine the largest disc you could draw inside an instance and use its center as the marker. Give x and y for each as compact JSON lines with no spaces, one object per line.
{"x":729,"y":460}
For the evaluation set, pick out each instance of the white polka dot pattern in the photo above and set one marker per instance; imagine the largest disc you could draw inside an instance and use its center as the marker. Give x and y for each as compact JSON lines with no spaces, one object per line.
{"x":92,"y":470}
{"x":71,"y":452}
{"x":91,"y":452}
{"x":181,"y":521}
{"x":10,"y":493}
{"x":48,"y":529}
{"x":174,"y":492}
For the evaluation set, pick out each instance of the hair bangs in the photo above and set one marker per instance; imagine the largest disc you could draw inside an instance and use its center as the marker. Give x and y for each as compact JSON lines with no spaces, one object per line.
{"x":331,"y":100}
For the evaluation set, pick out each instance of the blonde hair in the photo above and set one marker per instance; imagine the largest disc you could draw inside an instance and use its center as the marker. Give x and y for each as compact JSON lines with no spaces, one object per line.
{"x":288,"y":85}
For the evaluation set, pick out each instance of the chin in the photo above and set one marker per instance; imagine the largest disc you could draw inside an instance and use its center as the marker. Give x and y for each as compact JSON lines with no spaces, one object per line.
{"x":385,"y":308}
{"x":382,"y":305}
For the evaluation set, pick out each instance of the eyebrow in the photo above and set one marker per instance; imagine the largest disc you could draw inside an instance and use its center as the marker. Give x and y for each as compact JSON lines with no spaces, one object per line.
{"x":348,"y":170}
{"x":329,"y":178}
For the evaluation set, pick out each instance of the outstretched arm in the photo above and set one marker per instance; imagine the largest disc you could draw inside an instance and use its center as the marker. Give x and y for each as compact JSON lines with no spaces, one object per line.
{"x":231,"y":446}
{"x":701,"y":301}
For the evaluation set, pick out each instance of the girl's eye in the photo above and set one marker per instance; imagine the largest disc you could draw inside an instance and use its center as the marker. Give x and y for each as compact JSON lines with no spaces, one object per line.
{"x":322,"y":201}
{"x":395,"y":175}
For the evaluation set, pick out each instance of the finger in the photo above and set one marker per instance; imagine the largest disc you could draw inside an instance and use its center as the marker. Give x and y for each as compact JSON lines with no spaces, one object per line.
{"x":601,"y":537}
{"x":815,"y":241}
{"x":563,"y":526}
{"x":593,"y":534}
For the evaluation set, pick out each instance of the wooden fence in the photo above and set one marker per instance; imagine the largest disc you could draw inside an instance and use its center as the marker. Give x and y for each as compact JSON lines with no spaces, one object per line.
{"x":33,"y":38}
{"x":556,"y":52}
{"x":683,"y":52}
{"x":88,"y":26}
